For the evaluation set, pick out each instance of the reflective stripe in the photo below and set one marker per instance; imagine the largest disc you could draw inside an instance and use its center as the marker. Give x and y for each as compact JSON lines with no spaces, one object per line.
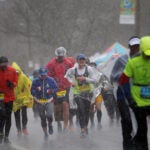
{"x":43,"y":100}
{"x":1,"y":96}
{"x":61,"y":93}
{"x":84,"y":88}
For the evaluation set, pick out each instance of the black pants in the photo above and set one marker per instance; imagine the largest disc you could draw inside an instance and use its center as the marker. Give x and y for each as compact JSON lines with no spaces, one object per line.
{"x":59,"y":100}
{"x":46,"y":114}
{"x":111,"y":105}
{"x":21,"y":114}
{"x":141,"y":139}
{"x":126,"y":122}
{"x":5,"y":118}
{"x":35,"y":110}
{"x":83,"y":108}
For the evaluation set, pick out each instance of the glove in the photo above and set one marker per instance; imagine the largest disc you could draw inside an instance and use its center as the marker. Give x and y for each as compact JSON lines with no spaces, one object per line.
{"x":35,"y":99}
{"x":132,"y":103}
{"x":39,"y":88}
{"x":50,"y":100}
{"x":2,"y":110}
{"x":127,"y":91}
{"x":9,"y":84}
{"x":48,"y":91}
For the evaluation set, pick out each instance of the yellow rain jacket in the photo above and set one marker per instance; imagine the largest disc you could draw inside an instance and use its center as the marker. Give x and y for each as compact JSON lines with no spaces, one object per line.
{"x":23,"y":96}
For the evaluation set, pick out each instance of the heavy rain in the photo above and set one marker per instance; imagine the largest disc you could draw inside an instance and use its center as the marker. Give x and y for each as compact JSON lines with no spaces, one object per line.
{"x":74,"y":75}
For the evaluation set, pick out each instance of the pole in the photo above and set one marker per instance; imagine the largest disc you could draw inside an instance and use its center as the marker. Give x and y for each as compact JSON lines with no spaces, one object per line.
{"x":138,"y":17}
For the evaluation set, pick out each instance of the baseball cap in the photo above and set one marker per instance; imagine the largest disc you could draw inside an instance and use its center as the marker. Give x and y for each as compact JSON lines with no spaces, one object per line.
{"x":145,"y":45}
{"x":134,"y":41}
{"x":81,"y":56}
{"x":3,"y":59}
{"x":43,"y":71}
{"x":60,"y":51}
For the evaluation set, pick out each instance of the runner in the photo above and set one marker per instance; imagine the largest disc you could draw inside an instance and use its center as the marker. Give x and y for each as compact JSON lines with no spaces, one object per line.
{"x":117,"y":70}
{"x":8,"y":81}
{"x":23,"y":100}
{"x":57,"y":68}
{"x":35,"y":74}
{"x":81,"y":77}
{"x":72,"y":110}
{"x":138,"y":97}
{"x":72,"y":104}
{"x":96,"y":103}
{"x":43,"y":90}
{"x":109,"y":99}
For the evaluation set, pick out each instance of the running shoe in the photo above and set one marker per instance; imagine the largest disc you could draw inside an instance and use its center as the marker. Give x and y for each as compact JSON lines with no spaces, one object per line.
{"x":45,"y":136}
{"x":83,"y":134}
{"x":51,"y":129}
{"x":59,"y":127}
{"x":25,"y":131}
{"x":6,"y":140}
{"x":1,"y":138}
{"x":19,"y":133}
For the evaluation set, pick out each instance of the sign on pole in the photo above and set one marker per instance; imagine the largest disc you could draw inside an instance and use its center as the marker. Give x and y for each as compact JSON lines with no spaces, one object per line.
{"x":127,"y":11}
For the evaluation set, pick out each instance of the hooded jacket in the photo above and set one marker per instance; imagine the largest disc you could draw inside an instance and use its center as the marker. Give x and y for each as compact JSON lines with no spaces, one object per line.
{"x":22,"y":90}
{"x":57,"y":71}
{"x":48,"y":87}
{"x":9,"y":74}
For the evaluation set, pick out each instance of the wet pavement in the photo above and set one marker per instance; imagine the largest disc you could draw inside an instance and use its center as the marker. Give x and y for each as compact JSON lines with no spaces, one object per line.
{"x":107,"y":138}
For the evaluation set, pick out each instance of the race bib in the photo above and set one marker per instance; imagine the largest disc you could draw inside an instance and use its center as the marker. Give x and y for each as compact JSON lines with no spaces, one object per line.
{"x":84,"y":88}
{"x":61,"y":93}
{"x":145,"y":92}
{"x":1,"y":96}
{"x":43,"y":100}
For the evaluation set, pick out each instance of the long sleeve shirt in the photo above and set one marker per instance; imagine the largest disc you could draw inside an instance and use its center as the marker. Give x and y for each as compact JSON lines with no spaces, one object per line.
{"x":92,"y":78}
{"x":57,"y":70}
{"x":9,"y":74}
{"x":44,"y":89}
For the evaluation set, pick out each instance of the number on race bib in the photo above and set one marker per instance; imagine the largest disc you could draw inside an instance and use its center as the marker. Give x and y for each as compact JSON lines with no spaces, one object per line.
{"x":145,"y":92}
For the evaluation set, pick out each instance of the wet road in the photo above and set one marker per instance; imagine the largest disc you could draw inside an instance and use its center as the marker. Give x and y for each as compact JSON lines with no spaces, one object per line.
{"x":107,"y":138}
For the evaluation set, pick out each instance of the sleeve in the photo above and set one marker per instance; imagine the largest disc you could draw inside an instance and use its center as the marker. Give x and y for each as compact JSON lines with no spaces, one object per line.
{"x":72,"y":64}
{"x":102,"y":78}
{"x":126,"y":88}
{"x":124,"y":79}
{"x":54,"y":86}
{"x":15,"y":82}
{"x":118,"y":68}
{"x":50,"y":69}
{"x":70,"y":75}
{"x":33,"y":88}
{"x":128,"y":71}
{"x":93,"y":75}
{"x":69,"y":61}
{"x":28,"y":84}
{"x":114,"y":73}
{"x":125,"y":84}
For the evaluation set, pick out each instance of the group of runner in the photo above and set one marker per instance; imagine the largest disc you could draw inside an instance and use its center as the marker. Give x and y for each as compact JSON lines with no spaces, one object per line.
{"x":64,"y":87}
{"x":133,"y":95}
{"x":68,"y":87}
{"x":76,"y":92}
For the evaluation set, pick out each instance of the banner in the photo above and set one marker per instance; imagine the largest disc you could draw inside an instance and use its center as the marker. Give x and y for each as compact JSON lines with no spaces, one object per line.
{"x":127,"y":11}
